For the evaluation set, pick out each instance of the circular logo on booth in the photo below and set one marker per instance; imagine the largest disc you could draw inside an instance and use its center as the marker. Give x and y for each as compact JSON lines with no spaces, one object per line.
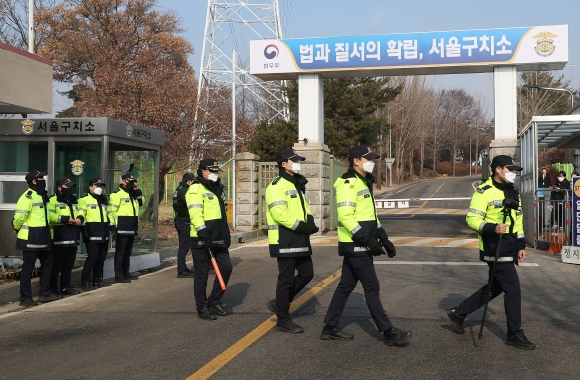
{"x":129,"y":131}
{"x":27,"y":126}
{"x":77,"y":167}
{"x":271,"y":51}
{"x":545,"y":44}
{"x":576,"y":186}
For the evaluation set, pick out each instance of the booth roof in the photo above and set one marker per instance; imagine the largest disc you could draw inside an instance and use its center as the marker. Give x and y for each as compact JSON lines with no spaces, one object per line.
{"x":561,"y":131}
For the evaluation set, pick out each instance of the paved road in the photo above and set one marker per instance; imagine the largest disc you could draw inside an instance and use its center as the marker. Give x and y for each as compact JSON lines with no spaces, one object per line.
{"x":149,"y":329}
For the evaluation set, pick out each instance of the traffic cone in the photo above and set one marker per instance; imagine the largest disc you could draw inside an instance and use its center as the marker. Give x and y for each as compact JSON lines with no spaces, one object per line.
{"x":555,"y":246}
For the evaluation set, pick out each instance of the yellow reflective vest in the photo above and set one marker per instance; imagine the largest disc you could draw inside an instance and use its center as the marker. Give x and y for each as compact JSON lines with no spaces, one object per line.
{"x":31,"y":222}
{"x":124,"y":212}
{"x":357,"y":215}
{"x":485,"y":213}
{"x":286,"y":208}
{"x":60,"y":212}
{"x":95,"y":228}
{"x":207,"y":214}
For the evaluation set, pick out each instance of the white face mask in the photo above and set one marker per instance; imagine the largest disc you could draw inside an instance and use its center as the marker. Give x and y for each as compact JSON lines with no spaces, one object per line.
{"x":368,"y":166}
{"x":98,"y":191}
{"x":296,"y":167}
{"x":560,"y":179}
{"x":213,"y":177}
{"x":509,"y":176}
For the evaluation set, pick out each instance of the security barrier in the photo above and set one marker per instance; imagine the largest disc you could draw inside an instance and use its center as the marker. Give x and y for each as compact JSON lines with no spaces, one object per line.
{"x":551,"y":220}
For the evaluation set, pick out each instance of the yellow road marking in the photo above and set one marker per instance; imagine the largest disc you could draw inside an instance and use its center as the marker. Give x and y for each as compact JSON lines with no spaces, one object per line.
{"x":222,"y":359}
{"x":473,"y":244}
{"x":404,"y":241}
{"x":437,"y":242}
{"x":435,"y":211}
{"x":460,"y":211}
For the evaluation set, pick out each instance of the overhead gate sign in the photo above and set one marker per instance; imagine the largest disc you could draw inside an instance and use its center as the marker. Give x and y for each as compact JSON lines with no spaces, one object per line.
{"x":454,"y":52}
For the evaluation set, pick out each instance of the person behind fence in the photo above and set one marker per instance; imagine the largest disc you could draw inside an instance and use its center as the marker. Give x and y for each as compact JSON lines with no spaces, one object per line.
{"x":544,"y":180}
{"x":182,"y":224}
{"x":559,"y":193}
{"x":290,"y":224}
{"x":95,"y":231}
{"x":209,"y":231}
{"x":360,"y":237}
{"x":31,"y":226}
{"x":65,"y":218}
{"x":486,"y":216}
{"x":124,"y":216}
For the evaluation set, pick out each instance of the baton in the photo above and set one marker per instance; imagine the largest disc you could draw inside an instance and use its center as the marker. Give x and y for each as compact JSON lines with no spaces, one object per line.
{"x":480,"y":336}
{"x":217,"y":269}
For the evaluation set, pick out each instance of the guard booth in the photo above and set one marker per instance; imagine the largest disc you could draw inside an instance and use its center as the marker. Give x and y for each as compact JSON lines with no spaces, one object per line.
{"x":81,"y":149}
{"x":546,"y":220}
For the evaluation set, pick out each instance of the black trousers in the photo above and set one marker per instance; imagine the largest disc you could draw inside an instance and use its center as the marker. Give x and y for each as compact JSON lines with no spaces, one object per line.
{"x":289,"y":285}
{"x":183,"y":232}
{"x":63,"y":261}
{"x":123,"y":255}
{"x":506,"y":280}
{"x":201,"y":265}
{"x":29,"y":258}
{"x":355,"y":269}
{"x":95,"y":262}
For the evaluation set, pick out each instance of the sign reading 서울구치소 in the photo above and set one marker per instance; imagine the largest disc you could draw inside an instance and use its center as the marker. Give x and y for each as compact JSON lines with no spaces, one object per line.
{"x":529,"y":48}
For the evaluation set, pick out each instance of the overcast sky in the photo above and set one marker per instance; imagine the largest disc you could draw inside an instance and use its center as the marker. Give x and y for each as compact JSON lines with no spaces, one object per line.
{"x":325,"y":18}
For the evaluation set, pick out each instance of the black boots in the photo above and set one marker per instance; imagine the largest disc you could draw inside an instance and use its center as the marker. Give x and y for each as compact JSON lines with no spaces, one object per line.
{"x":520,"y":341}
{"x":395,"y":336}
{"x":456,"y":319}
{"x":334,"y":333}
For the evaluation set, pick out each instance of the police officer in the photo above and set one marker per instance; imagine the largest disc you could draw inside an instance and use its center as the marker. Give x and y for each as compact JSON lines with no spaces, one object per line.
{"x":290,"y":224}
{"x":124,"y":215}
{"x":65,"y":218}
{"x":182,"y":224}
{"x":485,"y":215}
{"x":95,"y":234}
{"x":209,"y":230}
{"x":31,"y":226}
{"x":359,"y":233}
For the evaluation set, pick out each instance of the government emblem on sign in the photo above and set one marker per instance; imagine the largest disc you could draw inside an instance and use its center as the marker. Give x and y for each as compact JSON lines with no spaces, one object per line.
{"x":77,"y":167}
{"x":27,"y":126}
{"x":545,"y":44}
{"x":129,"y":131}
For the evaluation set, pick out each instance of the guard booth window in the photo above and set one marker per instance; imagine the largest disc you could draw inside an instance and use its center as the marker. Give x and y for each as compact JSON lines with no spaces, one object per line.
{"x":79,"y":162}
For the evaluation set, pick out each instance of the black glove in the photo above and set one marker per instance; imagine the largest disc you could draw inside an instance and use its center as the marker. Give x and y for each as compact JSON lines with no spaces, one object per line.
{"x":300,"y":228}
{"x":310,"y":229}
{"x":113,"y":228}
{"x":310,"y":222}
{"x":114,"y":237}
{"x":375,"y":247}
{"x":207,"y":244}
{"x":390,"y":247}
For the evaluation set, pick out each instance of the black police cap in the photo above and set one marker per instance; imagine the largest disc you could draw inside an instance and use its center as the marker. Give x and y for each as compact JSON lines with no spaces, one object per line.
{"x":288,"y":154}
{"x":362,"y":151}
{"x":503,"y":160}
{"x":129,"y":177}
{"x":96,"y":181}
{"x":34,"y":174}
{"x":65,"y":182}
{"x":210,"y":164}
{"x":188,"y":177}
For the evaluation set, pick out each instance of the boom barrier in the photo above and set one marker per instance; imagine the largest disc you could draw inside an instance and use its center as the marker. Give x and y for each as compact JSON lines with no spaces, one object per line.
{"x":404,"y":203}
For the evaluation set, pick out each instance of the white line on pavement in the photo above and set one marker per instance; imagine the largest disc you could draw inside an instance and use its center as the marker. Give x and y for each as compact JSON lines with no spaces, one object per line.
{"x":444,"y":263}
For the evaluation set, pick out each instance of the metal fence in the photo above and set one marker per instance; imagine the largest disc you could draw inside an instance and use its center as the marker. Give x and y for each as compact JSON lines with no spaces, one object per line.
{"x":267,"y":171}
{"x":551,"y":221}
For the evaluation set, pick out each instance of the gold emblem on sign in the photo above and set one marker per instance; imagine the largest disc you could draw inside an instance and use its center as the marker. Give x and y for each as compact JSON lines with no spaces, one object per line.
{"x":545,"y":44}
{"x":77,"y":167}
{"x":129,"y":130}
{"x":27,"y":126}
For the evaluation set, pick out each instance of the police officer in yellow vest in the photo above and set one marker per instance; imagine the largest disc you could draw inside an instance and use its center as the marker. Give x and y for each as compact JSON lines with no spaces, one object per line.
{"x":31,"y":226}
{"x":485,"y":216}
{"x":290,"y":225}
{"x":209,"y":230}
{"x":65,"y":218}
{"x":124,"y":216}
{"x":359,"y":233}
{"x":95,"y":234}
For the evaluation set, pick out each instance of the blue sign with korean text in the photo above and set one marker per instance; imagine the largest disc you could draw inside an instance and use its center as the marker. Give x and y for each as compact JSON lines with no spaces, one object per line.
{"x":488,"y":47}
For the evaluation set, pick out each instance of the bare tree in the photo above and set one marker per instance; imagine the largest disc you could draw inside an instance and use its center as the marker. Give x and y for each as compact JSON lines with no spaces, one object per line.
{"x":14,"y":22}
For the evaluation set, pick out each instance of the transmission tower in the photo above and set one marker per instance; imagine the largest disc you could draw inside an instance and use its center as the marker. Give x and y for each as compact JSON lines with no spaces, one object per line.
{"x":230,"y":25}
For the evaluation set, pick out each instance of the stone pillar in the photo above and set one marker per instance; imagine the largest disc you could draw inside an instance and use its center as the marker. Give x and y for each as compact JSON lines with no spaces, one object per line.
{"x":246,"y":191}
{"x":506,"y":124}
{"x":316,"y":169}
